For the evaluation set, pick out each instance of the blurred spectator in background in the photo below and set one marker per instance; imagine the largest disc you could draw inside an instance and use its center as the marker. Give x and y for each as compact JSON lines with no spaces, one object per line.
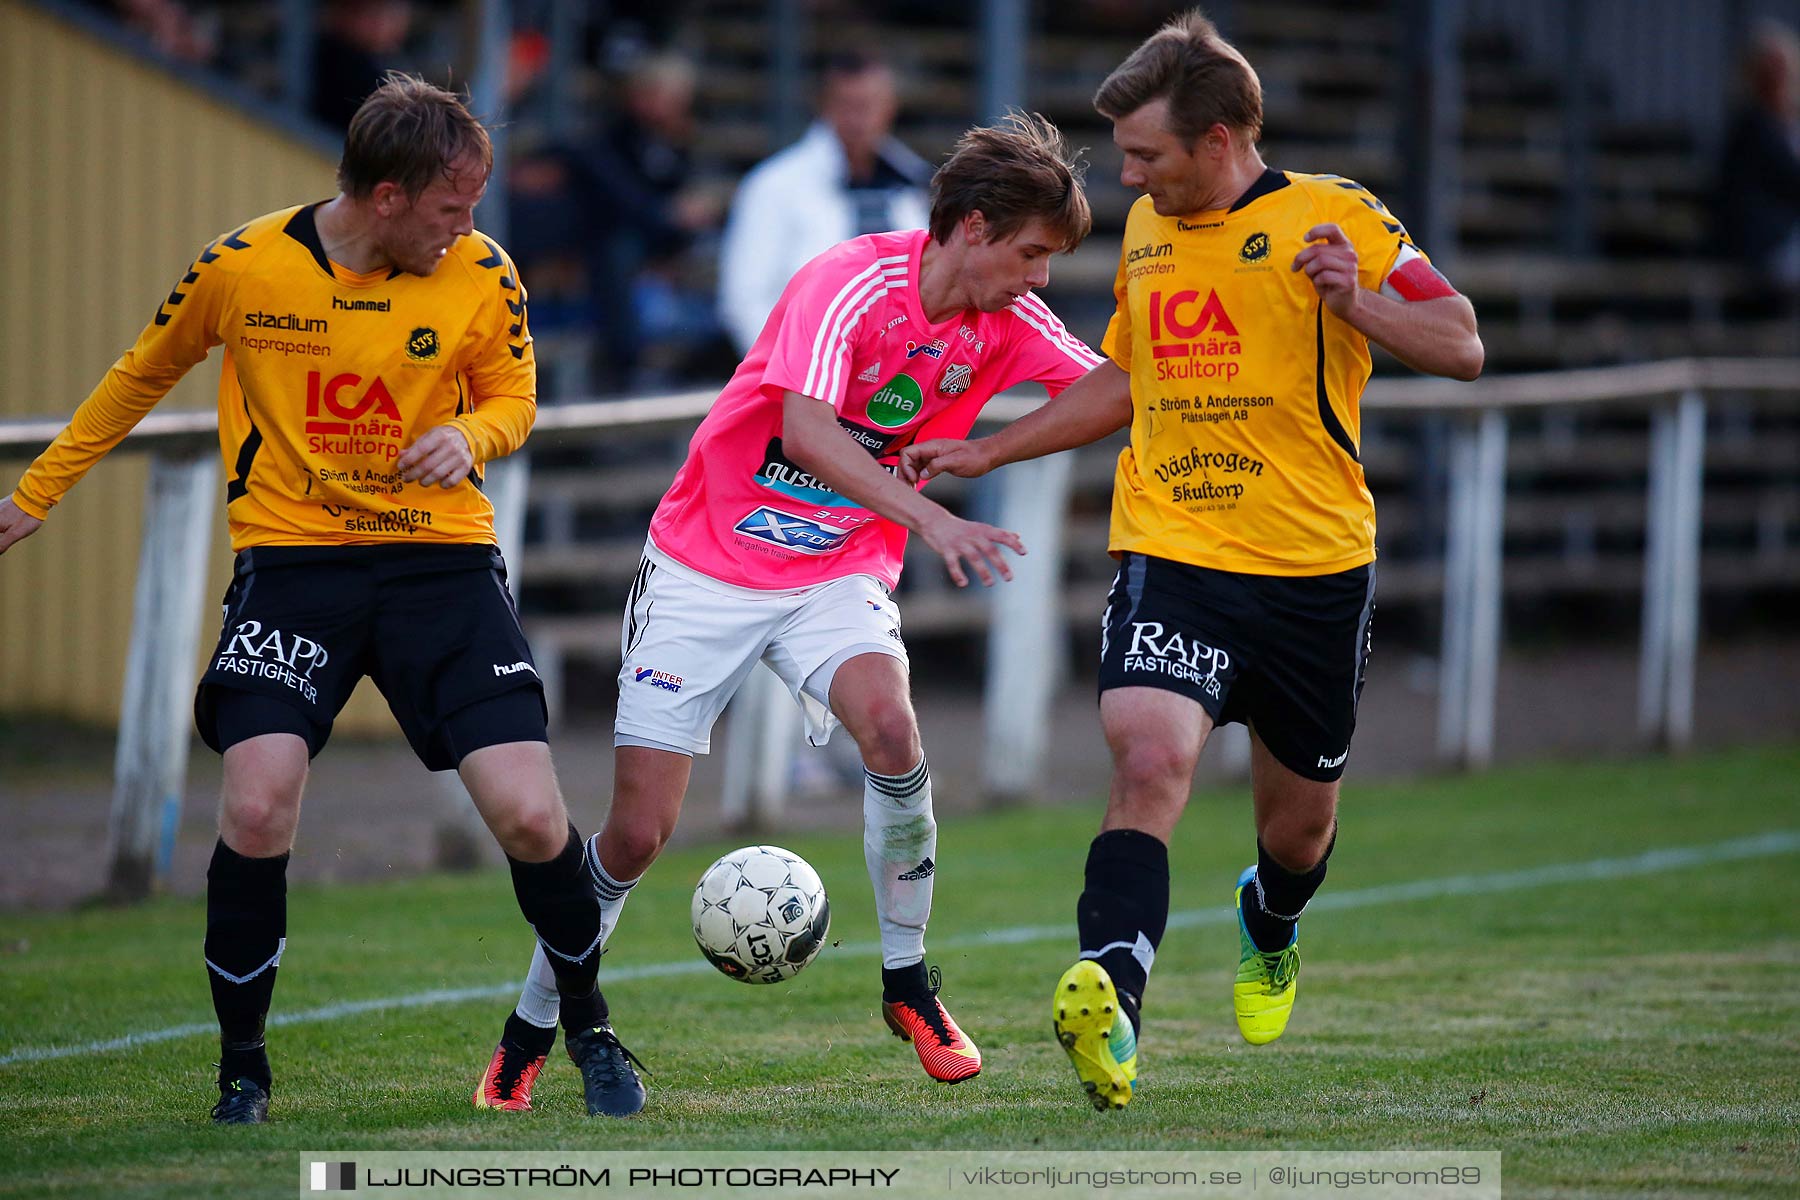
{"x":643,"y":213}
{"x":172,"y":28}
{"x":359,"y":40}
{"x":618,"y":212}
{"x":847,"y":176}
{"x":1759,"y":184}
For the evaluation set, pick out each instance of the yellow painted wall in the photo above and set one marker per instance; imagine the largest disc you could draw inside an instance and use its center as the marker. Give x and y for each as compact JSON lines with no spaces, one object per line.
{"x":113,"y":174}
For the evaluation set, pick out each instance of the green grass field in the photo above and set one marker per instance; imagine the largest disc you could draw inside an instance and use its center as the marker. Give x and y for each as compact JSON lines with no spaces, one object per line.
{"x":1631,"y":1028}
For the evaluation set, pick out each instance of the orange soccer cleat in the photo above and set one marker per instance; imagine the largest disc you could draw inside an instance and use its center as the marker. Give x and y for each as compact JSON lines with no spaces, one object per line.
{"x":947,"y":1055}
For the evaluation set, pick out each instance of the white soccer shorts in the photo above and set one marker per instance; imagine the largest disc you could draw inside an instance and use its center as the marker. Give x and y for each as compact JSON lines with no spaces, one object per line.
{"x":691,"y":641}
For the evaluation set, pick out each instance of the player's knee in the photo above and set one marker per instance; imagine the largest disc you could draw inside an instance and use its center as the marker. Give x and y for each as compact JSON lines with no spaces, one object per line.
{"x":1152,"y":768}
{"x":259,"y":822}
{"x":630,"y":847}
{"x":1298,"y":841}
{"x":531,"y":832}
{"x":889,"y":738}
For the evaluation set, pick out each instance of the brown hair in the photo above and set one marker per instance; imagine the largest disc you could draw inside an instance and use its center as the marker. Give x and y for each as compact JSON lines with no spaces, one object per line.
{"x":409,"y":132}
{"x":1011,"y":172}
{"x":1203,"y":77}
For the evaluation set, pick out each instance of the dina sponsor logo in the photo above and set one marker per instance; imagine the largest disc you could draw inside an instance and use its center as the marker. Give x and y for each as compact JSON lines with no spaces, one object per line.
{"x":896,"y":402}
{"x":799,"y":534}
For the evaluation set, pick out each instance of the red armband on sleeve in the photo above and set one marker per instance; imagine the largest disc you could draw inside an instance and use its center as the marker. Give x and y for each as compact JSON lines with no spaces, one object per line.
{"x":1417,"y":279}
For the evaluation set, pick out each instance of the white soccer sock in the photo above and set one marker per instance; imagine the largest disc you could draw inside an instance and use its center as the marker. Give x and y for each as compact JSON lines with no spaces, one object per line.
{"x":539,"y":1002}
{"x":899,"y":844}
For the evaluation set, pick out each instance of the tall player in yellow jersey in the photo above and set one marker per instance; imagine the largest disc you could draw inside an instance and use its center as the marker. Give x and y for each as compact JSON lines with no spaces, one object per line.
{"x":1246,"y":301}
{"x":375,"y":354}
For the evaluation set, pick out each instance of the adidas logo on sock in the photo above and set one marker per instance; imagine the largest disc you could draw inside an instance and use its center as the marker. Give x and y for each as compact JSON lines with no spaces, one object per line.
{"x":922,"y":871}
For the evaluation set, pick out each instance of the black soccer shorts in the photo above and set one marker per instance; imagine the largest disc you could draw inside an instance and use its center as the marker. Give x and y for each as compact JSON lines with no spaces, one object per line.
{"x":1284,"y":654}
{"x":433,"y":626}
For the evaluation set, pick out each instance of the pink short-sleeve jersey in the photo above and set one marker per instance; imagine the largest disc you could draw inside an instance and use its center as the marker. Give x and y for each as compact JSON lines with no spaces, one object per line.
{"x":848,"y":330}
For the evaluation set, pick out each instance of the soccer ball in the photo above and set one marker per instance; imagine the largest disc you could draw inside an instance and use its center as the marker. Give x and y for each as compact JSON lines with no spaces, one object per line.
{"x":760,"y":914}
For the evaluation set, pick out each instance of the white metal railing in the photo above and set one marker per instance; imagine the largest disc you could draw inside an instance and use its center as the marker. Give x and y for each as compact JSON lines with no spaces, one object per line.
{"x":154,"y":736}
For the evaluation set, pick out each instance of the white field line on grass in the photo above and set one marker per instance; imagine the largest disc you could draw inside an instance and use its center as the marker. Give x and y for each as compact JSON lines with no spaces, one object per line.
{"x":1651,"y":862}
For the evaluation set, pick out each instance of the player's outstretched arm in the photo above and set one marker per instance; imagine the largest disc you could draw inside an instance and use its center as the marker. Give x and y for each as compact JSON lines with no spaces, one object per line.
{"x":15,"y":524}
{"x":1434,"y":333}
{"x":1094,"y":406}
{"x":812,"y":437}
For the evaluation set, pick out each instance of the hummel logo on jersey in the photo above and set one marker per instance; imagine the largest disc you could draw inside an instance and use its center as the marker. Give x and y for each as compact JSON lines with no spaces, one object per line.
{"x":922,"y":871}
{"x":870,"y":374}
{"x":512,"y":668}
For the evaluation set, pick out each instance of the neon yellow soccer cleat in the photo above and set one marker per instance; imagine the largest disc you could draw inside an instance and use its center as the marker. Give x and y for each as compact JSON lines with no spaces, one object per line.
{"x":1093,"y":1028}
{"x":1266,"y":982}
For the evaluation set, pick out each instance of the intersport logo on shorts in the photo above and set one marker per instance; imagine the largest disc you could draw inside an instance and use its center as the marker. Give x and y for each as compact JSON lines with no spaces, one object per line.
{"x":1159,"y":652}
{"x":657,"y":679}
{"x":287,"y":658}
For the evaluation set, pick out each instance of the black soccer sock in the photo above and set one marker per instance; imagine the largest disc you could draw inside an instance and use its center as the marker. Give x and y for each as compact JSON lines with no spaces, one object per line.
{"x":1123,"y":911}
{"x":558,"y":900}
{"x":535,"y":1040}
{"x":1274,"y":900}
{"x":246,"y":932}
{"x":911,"y":983}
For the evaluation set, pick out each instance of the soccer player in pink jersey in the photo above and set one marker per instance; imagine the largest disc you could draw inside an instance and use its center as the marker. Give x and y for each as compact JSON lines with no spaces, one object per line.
{"x":782,"y":535}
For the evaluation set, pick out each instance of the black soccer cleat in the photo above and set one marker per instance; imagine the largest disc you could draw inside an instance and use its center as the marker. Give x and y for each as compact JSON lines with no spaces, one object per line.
{"x":241,"y":1102}
{"x":612,"y":1088}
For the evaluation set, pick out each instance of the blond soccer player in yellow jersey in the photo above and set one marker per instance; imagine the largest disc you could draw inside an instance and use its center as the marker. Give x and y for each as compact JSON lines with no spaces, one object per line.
{"x":375,"y":354}
{"x":1246,"y":301}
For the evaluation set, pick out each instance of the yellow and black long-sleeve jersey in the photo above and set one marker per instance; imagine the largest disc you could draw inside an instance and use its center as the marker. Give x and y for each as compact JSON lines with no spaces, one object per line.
{"x":327,"y":376}
{"x":1245,"y":389}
